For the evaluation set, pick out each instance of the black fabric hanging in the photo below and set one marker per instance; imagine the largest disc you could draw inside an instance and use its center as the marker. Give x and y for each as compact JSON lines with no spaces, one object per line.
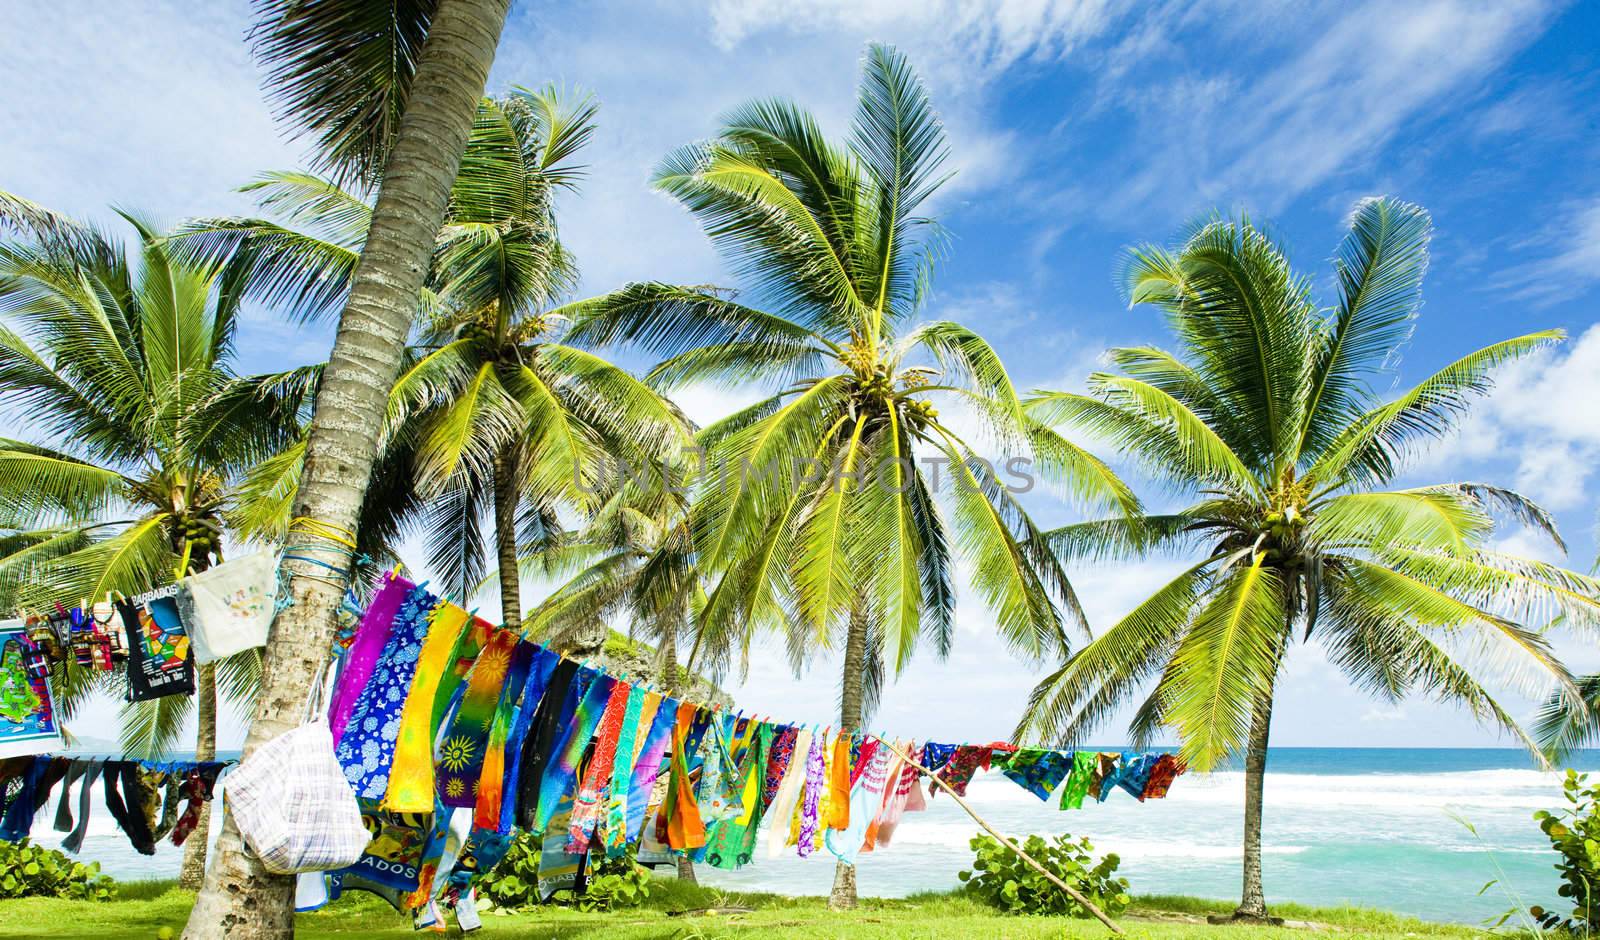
{"x":543,"y":733}
{"x":151,"y":675}
{"x":129,"y":812}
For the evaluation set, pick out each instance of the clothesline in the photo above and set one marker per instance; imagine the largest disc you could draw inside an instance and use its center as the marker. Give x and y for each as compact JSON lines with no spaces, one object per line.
{"x":150,"y":800}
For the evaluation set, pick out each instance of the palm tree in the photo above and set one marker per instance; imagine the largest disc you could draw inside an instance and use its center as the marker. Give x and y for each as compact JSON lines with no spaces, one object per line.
{"x":390,"y":90}
{"x":829,"y":240}
{"x":491,"y":408}
{"x":141,"y":428}
{"x":1269,"y":417}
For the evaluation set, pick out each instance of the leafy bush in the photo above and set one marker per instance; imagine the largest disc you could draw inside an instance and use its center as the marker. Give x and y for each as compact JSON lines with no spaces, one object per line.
{"x":514,"y":883}
{"x":30,"y":871}
{"x":1002,"y":879}
{"x":1575,"y":834}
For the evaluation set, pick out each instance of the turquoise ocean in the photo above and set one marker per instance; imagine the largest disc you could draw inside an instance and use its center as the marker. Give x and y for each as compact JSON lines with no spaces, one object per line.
{"x":1378,"y":827}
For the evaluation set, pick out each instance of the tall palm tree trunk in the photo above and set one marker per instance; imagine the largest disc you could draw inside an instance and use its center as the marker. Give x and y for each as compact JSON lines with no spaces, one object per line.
{"x":851,"y":688}
{"x":193,"y":872}
{"x":505,"y":539}
{"x":241,"y":900}
{"x":1253,"y":901}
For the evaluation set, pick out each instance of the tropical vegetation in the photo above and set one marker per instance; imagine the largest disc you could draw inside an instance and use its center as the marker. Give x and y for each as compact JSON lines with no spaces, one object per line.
{"x":141,"y":432}
{"x":816,"y":513}
{"x":1269,"y":418}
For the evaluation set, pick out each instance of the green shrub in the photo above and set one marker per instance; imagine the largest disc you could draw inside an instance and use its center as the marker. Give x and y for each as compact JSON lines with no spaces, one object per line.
{"x":30,"y":871}
{"x":1575,"y":834}
{"x":1002,"y":879}
{"x":514,"y":883}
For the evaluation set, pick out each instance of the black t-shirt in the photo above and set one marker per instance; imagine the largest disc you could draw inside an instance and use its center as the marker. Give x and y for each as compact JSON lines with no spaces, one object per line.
{"x":146,"y":677}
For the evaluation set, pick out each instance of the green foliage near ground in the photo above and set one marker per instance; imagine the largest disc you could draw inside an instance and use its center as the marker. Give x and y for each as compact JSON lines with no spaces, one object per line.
{"x":1000,"y":877}
{"x":1575,"y":834}
{"x":679,"y":911}
{"x":514,"y":883}
{"x":31,"y":871}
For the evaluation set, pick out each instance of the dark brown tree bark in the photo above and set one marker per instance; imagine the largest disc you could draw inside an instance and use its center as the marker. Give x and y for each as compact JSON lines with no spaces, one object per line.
{"x":851,"y":689}
{"x":240,"y":898}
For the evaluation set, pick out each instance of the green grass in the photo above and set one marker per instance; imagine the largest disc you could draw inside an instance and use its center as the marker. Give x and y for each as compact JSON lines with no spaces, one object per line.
{"x":146,"y":907}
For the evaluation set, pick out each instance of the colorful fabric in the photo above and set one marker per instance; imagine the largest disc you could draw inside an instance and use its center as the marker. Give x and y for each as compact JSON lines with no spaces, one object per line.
{"x":540,"y":681}
{"x":905,"y":797}
{"x":963,"y":764}
{"x":411,"y":776}
{"x":839,"y":783}
{"x":561,"y":772}
{"x":884,"y":807}
{"x":731,"y":842}
{"x":370,"y":638}
{"x":1084,"y":764}
{"x":1105,"y":767}
{"x":636,"y":724}
{"x":487,"y":810}
{"x":589,"y":806}
{"x":1036,"y":769}
{"x":861,"y":752}
{"x":367,"y":748}
{"x":470,"y":643}
{"x":816,"y":783}
{"x":1167,"y":768}
{"x":865,"y":797}
{"x":780,"y":811}
{"x":781,"y":752}
{"x":150,"y":675}
{"x":465,"y":743}
{"x":935,"y":756}
{"x":1136,"y":776}
{"x":647,"y":766}
{"x":568,"y":683}
{"x":685,"y":829}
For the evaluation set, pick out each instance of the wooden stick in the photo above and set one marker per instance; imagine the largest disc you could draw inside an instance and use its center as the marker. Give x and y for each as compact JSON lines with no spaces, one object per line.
{"x":1008,"y":843}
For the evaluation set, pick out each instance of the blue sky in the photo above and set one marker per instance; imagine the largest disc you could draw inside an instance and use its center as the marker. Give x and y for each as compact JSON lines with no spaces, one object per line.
{"x":1077,"y":129}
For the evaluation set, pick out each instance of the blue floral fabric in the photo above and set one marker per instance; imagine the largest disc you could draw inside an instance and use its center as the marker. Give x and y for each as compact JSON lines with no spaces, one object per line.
{"x":1037,"y":770}
{"x":935,"y":756}
{"x":367,"y":749}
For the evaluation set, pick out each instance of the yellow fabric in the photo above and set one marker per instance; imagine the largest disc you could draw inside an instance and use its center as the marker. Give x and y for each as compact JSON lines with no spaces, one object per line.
{"x":411,"y":776}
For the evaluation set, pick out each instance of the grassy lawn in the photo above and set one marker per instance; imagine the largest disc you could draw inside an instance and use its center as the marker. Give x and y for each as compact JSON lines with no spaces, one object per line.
{"x":145,"y":908}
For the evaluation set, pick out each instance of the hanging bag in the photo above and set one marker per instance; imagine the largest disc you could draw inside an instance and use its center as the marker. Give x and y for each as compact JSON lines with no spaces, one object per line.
{"x":292,"y":803}
{"x":228,"y":609}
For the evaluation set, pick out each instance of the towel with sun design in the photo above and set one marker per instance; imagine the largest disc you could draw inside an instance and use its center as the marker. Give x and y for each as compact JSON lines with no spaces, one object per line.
{"x":466,"y":739}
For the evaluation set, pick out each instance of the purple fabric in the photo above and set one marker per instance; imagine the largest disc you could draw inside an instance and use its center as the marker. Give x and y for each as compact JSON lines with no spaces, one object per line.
{"x":364,"y":649}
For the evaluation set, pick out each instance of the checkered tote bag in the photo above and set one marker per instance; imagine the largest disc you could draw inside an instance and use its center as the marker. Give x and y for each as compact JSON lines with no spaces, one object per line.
{"x":292,"y":803}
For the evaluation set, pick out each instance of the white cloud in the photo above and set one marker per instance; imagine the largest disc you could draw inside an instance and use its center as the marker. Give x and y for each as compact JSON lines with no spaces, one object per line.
{"x":1571,"y":259}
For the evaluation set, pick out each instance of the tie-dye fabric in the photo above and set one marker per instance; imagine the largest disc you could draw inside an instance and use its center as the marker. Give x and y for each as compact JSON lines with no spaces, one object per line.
{"x":782,"y":752}
{"x":816,"y":783}
{"x":540,"y":679}
{"x":362,"y":657}
{"x":780,"y":813}
{"x":635,"y":728}
{"x":935,"y":756}
{"x":567,"y":685}
{"x":1038,"y":770}
{"x":589,"y":806}
{"x":647,"y":766}
{"x":466,"y":740}
{"x":411,"y":776}
{"x":367,"y":749}
{"x":685,"y":829}
{"x":731,"y":842}
{"x":1167,"y":768}
{"x":1077,"y":787}
{"x":486,"y":810}
{"x":1136,"y":776}
{"x":560,"y":774}
{"x":866,"y":795}
{"x":470,"y":644}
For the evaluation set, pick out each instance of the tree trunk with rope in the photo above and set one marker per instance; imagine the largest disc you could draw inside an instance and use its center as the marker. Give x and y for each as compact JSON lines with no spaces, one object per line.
{"x":241,"y":900}
{"x":192,"y":873}
{"x":851,"y":692}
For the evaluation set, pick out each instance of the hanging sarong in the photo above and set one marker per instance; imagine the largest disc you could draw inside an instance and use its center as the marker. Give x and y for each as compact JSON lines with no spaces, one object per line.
{"x":634,"y":727}
{"x":647,"y":766}
{"x":731,"y":842}
{"x":865,"y":796}
{"x":816,"y":783}
{"x":780,"y":812}
{"x":778,"y":757}
{"x":466,"y":740}
{"x":490,"y":786}
{"x":839,"y":783}
{"x":411,"y":779}
{"x":561,"y":697}
{"x":589,"y":806}
{"x":685,"y":829}
{"x":561,"y":772}
{"x":1084,"y":764}
{"x":362,"y":657}
{"x":1036,"y":769}
{"x":367,"y":748}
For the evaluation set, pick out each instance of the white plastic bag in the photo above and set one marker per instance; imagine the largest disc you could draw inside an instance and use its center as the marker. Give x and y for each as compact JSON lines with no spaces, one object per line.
{"x":292,"y":802}
{"x":228,"y":609}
